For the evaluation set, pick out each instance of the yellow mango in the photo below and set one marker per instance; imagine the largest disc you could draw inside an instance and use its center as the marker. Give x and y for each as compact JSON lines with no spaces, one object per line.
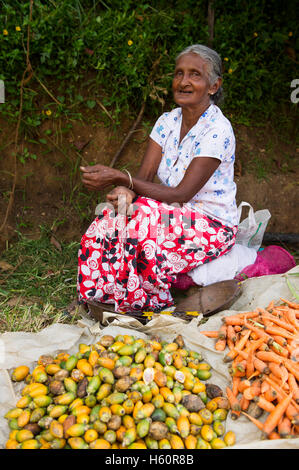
{"x":100,"y":444}
{"x":24,"y":418}
{"x":84,"y":366}
{"x":11,"y":444}
{"x":176,"y":442}
{"x":93,"y":358}
{"x":20,"y":373}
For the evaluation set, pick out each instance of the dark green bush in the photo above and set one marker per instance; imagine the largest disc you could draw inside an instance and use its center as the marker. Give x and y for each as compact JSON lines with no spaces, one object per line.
{"x":127,"y":50}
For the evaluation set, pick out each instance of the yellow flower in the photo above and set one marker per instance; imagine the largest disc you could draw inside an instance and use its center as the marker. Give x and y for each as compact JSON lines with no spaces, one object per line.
{"x":48,"y":112}
{"x":5,"y":32}
{"x":290,"y":34}
{"x":18,"y":28}
{"x":226,"y":59}
{"x":230,"y":70}
{"x":129,"y":55}
{"x":130,"y":42}
{"x":255,"y":34}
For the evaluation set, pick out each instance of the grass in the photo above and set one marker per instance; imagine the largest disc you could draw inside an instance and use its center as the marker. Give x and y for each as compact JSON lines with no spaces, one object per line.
{"x":37,"y":283}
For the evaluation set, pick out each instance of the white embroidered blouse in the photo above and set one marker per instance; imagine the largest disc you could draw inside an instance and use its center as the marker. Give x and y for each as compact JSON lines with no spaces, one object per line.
{"x":211,"y":136}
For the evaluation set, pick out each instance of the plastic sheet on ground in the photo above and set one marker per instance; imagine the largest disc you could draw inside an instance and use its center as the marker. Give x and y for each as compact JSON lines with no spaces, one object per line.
{"x":25,"y":348}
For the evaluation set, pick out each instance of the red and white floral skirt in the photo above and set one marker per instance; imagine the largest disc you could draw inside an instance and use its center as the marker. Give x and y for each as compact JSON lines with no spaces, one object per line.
{"x":131,"y":261}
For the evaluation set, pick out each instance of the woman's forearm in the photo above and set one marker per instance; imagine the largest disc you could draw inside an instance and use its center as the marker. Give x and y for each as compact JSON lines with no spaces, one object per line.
{"x":153,"y":190}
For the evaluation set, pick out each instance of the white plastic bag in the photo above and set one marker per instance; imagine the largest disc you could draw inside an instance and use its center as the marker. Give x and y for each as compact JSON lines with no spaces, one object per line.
{"x":251,"y":230}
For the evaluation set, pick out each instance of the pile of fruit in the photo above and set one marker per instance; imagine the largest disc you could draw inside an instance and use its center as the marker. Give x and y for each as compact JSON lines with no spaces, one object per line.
{"x":120,"y":393}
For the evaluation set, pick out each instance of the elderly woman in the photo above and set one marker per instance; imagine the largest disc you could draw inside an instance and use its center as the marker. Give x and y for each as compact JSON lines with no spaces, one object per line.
{"x":131,"y":258}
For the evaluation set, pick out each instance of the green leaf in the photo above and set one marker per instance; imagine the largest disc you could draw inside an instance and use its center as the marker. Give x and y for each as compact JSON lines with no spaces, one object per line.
{"x":292,"y":288}
{"x":90,"y":104}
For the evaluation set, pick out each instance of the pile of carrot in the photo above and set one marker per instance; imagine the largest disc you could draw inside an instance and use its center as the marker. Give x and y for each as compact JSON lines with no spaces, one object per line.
{"x":262,"y":352}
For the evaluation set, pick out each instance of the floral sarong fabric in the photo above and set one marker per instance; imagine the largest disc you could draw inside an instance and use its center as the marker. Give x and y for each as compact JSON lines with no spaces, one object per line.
{"x":131,"y":261}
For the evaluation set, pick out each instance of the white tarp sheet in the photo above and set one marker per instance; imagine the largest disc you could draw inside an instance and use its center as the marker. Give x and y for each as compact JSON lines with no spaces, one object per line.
{"x":25,"y":348}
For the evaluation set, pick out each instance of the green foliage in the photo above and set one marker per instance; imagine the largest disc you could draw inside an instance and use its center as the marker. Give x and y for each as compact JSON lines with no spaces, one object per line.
{"x":129,"y":49}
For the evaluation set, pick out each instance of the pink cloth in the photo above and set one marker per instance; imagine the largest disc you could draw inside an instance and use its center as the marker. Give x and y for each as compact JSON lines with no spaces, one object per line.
{"x":183,"y":282}
{"x":271,"y":260}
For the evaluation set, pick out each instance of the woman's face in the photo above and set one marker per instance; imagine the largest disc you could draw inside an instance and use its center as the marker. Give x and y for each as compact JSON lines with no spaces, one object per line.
{"x":190,"y":84}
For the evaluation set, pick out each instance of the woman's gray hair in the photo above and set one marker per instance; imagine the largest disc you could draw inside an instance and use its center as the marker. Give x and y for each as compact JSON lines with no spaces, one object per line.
{"x":213,"y":60}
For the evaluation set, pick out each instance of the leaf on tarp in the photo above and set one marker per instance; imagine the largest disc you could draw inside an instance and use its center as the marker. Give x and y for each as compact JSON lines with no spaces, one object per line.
{"x":292,"y":288}
{"x":56,"y":243}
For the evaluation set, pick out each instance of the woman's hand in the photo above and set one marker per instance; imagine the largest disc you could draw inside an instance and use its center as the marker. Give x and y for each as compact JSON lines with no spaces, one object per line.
{"x":98,"y":177}
{"x":121,"y":198}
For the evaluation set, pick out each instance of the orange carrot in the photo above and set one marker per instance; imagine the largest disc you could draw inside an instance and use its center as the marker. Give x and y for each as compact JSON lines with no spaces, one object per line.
{"x":233,"y":401}
{"x":277,"y":380}
{"x":293,"y":387}
{"x":234,"y":321}
{"x":273,"y":435}
{"x":253,"y":391}
{"x":292,"y":414}
{"x":244,"y":403}
{"x":275,"y":415}
{"x":222,"y":332}
{"x":270,"y":394}
{"x":230,"y":344}
{"x":260,"y":333}
{"x":235,"y":385}
{"x":273,"y":330}
{"x":284,"y":427}
{"x":291,"y":317}
{"x":268,"y":356}
{"x":293,"y":408}
{"x":280,"y":340}
{"x":231,"y":334}
{"x":238,"y":369}
{"x":264,"y":404}
{"x":242,"y":341}
{"x":251,"y":314}
{"x":276,"y":348}
{"x":264,"y":387}
{"x":237,"y":328}
{"x":261,"y":366}
{"x":243,"y":384}
{"x":220,"y":344}
{"x":293,"y":352}
{"x":292,"y":369}
{"x":280,"y":394}
{"x":210,"y":333}
{"x":256,"y":344}
{"x":270,"y":306}
{"x":263,"y":347}
{"x":249,"y":364}
{"x":256,"y":373}
{"x":290,"y":304}
{"x":285,"y":375}
{"x":254,"y":421}
{"x":279,"y":322}
{"x":239,"y":346}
